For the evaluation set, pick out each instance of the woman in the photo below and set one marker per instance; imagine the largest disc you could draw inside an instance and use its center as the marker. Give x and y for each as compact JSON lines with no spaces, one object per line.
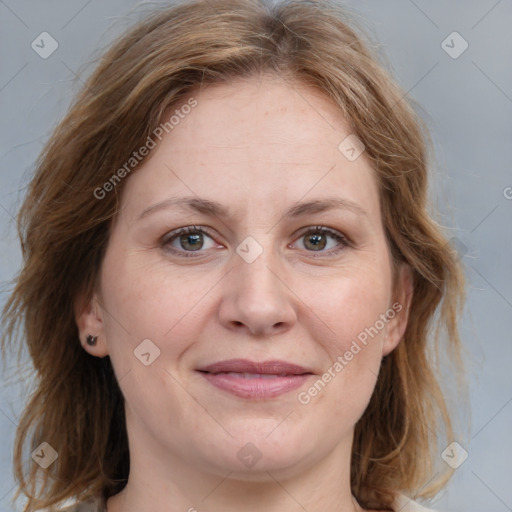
{"x":231,"y":279}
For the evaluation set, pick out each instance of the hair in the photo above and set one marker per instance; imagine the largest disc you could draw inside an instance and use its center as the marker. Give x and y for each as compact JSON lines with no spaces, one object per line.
{"x":77,"y":406}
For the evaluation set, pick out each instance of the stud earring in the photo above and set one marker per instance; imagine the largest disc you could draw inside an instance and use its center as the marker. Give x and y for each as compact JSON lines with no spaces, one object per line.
{"x":91,"y":340}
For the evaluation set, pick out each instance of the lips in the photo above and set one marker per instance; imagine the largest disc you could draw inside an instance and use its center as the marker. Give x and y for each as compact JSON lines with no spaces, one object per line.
{"x":281,"y":368}
{"x":255,"y":380}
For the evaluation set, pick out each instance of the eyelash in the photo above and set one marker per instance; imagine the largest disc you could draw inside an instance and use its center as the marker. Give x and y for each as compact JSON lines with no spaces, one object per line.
{"x":170,"y":237}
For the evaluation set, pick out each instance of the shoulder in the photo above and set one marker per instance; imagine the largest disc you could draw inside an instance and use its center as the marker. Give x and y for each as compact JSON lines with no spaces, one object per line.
{"x":404,"y":504}
{"x":96,"y":504}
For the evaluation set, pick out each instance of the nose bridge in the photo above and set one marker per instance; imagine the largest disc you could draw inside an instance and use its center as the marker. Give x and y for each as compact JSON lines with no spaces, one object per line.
{"x":257,"y":267}
{"x":256,"y":296}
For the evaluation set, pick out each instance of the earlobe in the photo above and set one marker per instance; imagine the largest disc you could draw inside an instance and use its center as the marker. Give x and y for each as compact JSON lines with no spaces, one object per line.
{"x":91,"y":328}
{"x":399,"y":311}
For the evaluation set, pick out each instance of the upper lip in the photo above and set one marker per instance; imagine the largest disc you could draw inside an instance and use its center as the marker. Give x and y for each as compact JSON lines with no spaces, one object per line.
{"x":274,"y":367}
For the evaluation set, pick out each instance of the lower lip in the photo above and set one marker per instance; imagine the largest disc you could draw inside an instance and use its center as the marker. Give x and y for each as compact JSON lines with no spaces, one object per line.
{"x":255,"y":388}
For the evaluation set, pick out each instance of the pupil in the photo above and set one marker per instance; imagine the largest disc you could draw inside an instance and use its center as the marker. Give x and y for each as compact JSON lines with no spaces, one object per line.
{"x":188,"y":242}
{"x":318,"y":241}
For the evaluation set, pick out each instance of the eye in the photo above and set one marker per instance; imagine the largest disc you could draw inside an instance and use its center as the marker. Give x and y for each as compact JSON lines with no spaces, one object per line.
{"x":189,"y":239}
{"x":317,"y":240}
{"x":194,"y":239}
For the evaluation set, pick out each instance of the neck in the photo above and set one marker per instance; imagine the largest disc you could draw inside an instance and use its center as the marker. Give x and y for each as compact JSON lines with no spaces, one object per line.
{"x":176,"y":484}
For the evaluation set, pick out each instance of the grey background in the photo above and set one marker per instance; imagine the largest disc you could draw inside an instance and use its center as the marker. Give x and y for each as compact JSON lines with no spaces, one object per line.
{"x":467,"y":103}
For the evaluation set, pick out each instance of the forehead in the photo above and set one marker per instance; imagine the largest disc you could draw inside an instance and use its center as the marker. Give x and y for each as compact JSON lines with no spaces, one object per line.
{"x":261,"y":142}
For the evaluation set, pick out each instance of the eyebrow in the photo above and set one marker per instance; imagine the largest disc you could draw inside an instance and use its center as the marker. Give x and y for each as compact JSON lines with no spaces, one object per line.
{"x":214,"y":209}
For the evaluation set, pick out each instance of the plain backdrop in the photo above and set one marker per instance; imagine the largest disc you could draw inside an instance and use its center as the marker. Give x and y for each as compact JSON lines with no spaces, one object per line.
{"x":467,"y":102}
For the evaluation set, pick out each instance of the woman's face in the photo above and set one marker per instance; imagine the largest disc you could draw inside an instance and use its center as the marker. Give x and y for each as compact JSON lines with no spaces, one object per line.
{"x":285,"y":260}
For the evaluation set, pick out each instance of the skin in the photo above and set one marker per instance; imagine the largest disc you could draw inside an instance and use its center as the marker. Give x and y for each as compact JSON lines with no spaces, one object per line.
{"x":257,"y":146}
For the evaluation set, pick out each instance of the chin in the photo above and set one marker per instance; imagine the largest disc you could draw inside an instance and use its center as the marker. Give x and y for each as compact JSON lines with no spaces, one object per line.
{"x":279,"y":465}
{"x":253,"y":451}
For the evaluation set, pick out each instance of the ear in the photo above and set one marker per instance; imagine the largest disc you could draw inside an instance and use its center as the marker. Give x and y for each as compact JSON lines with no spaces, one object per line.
{"x":89,"y":320}
{"x":398,"y":313}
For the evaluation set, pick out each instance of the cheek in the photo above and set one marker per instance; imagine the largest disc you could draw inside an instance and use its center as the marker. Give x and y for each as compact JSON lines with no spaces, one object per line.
{"x":350,"y":305}
{"x":150,"y":299}
{"x":149,"y":302}
{"x":351,"y":335}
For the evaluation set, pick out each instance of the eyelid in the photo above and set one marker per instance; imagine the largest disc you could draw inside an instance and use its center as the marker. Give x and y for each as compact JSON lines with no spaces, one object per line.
{"x":185,"y":230}
{"x":323,"y":229}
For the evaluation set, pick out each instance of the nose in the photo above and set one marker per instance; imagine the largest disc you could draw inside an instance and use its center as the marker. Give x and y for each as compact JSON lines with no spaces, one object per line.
{"x":256,"y":299}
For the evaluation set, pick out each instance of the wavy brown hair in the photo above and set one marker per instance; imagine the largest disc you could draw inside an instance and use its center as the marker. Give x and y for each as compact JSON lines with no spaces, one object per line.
{"x":77,"y":406}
